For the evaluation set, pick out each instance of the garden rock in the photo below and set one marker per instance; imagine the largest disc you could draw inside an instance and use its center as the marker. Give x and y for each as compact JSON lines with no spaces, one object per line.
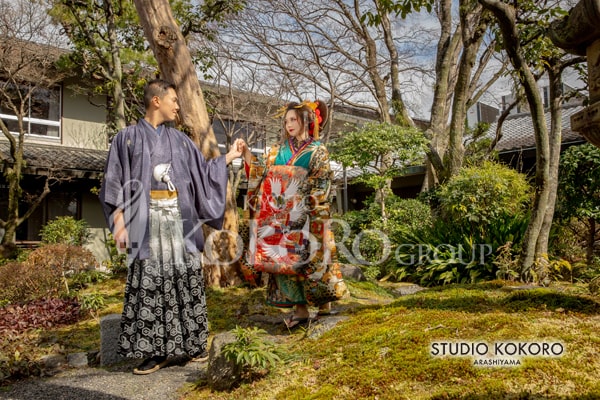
{"x":404,"y":290}
{"x":110,"y":327}
{"x":352,"y":271}
{"x":324,"y":324}
{"x":77,"y":360}
{"x":222,"y":374}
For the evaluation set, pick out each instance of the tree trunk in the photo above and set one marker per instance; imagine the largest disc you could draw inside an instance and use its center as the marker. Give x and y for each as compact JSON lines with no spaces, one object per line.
{"x":175,"y":63}
{"x":12,"y":173}
{"x":556,"y":96}
{"x":447,"y":55}
{"x":474,"y":25}
{"x":399,"y":109}
{"x":116,"y":69}
{"x":591,"y":240}
{"x":506,"y":16}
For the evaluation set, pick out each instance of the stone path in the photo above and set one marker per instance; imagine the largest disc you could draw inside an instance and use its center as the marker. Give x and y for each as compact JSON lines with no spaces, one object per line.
{"x":119,"y":383}
{"x":115,"y":383}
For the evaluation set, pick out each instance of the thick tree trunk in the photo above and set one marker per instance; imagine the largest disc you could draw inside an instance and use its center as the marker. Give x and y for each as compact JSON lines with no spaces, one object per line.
{"x":12,"y":173}
{"x":474,"y":26}
{"x":445,"y":70}
{"x":399,"y":109}
{"x":175,"y":63}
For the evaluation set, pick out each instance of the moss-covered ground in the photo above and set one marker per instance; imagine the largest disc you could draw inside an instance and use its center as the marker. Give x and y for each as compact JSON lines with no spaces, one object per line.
{"x":383,"y":348}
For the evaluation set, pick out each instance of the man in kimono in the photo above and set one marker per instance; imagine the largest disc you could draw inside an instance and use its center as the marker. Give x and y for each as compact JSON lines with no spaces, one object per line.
{"x":158,"y":191}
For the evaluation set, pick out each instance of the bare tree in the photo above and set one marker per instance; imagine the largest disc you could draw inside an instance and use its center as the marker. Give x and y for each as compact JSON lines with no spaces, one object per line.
{"x":28,"y":52}
{"x":312,"y":49}
{"x":366,"y":55}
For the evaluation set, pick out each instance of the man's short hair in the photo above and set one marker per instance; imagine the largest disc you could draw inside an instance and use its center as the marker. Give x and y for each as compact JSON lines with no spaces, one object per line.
{"x":156,"y":87}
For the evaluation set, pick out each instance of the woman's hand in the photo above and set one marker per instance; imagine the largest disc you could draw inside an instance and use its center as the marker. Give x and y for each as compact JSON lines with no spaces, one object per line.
{"x":246,"y":153}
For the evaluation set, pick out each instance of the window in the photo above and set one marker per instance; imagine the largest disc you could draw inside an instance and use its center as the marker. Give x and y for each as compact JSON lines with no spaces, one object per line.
{"x":56,"y":204}
{"x":42,"y":112}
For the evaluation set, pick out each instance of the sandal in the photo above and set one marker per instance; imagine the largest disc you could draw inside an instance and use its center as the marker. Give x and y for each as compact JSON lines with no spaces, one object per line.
{"x":325,"y":309}
{"x":151,"y":365}
{"x":294,"y":322}
{"x":200,"y":357}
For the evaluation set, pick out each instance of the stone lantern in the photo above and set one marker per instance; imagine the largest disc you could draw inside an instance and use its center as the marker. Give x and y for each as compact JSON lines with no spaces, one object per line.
{"x":579,"y":33}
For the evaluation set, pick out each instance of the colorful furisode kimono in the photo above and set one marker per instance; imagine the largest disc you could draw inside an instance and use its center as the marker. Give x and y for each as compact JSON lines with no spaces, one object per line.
{"x":289,"y":235}
{"x":164,"y":311}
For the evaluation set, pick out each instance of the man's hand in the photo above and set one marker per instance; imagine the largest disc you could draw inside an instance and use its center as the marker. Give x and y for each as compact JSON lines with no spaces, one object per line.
{"x":121,"y":238}
{"x":120,"y":232}
{"x":236,"y":150}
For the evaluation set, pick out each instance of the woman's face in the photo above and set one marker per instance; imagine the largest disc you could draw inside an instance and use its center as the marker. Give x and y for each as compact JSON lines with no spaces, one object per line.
{"x":293,"y":124}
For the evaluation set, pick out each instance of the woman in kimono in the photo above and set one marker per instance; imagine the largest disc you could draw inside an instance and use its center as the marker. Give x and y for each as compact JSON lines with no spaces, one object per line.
{"x":157,"y":192}
{"x":289,"y":232}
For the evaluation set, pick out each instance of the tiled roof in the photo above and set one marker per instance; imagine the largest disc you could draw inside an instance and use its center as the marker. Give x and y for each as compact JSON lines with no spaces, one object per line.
{"x":61,"y":160}
{"x":518,"y":134}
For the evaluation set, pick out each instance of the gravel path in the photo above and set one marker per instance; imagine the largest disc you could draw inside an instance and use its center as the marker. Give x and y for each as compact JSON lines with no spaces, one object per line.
{"x":115,"y":383}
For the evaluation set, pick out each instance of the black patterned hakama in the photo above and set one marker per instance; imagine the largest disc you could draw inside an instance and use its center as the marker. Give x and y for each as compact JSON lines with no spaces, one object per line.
{"x":164,"y":310}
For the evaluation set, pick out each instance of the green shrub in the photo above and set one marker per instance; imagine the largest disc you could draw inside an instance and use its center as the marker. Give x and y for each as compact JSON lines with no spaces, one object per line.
{"x":117,"y":260}
{"x":481,"y":215}
{"x":252,"y":354}
{"x":446,"y":253}
{"x":65,"y":230}
{"x":372,"y":243}
{"x":477,"y":196}
{"x":85,"y":278}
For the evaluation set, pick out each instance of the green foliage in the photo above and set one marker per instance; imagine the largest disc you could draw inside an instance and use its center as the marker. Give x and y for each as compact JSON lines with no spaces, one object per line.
{"x":478,"y":195}
{"x":117,"y":260}
{"x":65,"y":230}
{"x":578,"y":198}
{"x":402,"y":8}
{"x":250,"y":352}
{"x":579,"y":182}
{"x":481,"y":216}
{"x":372,"y":244}
{"x":21,"y":256}
{"x":448,"y":252}
{"x":594,"y":285}
{"x":507,"y":263}
{"x":562,"y":270}
{"x":404,"y":215}
{"x":92,"y":303}
{"x":391,"y":150}
{"x":91,"y":25}
{"x":477,"y":145}
{"x":86,"y":278}
{"x":14,"y":364}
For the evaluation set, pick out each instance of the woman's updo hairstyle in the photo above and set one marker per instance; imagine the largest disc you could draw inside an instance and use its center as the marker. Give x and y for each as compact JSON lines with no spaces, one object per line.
{"x":312,"y":114}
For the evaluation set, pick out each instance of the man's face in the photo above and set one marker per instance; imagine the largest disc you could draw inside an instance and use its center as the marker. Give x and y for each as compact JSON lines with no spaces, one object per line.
{"x":169,"y":106}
